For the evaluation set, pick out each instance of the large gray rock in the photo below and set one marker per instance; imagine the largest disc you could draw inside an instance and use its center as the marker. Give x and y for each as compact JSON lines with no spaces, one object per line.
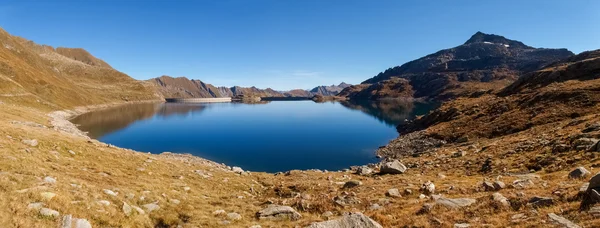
{"x":455,"y":203}
{"x":540,"y":201}
{"x":392,"y":167}
{"x":579,"y":172}
{"x":595,"y":181}
{"x":497,"y":197}
{"x":562,"y":222}
{"x":352,"y":220}
{"x":277,"y":212}
{"x":364,"y":170}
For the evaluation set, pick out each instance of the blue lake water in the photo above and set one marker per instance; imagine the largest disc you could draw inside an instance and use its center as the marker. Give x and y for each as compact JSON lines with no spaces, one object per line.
{"x":271,"y":136}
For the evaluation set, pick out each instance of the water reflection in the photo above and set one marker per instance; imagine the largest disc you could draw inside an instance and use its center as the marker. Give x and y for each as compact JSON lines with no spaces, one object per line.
{"x":106,"y":121}
{"x":390,"y":112}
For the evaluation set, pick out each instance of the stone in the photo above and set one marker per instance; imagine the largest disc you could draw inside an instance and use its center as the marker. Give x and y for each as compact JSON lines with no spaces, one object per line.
{"x":327,"y":214}
{"x":350,"y":220}
{"x":30,"y":142}
{"x":562,"y":222}
{"x":407,"y":191}
{"x":49,"y":212}
{"x":256,"y":226}
{"x":364,"y":170}
{"x":425,"y":209}
{"x":488,"y":186}
{"x":82,"y":223}
{"x":277,"y":212}
{"x":579,"y":172}
{"x":595,"y":181}
{"x":352,"y":184}
{"x":47,"y":195}
{"x":462,"y":225}
{"x":497,"y":197}
{"x":455,"y":203}
{"x":138,"y":209}
{"x":35,"y":206}
{"x":110,"y":192}
{"x":374,"y":207}
{"x":49,"y":180}
{"x":537,"y":201}
{"x":71,"y":152}
{"x":187,"y":189}
{"x":219,"y":212}
{"x":127,"y":209}
{"x":595,"y":212}
{"x":234,"y":216}
{"x":103,"y":202}
{"x":66,"y":222}
{"x":174,"y":201}
{"x":392,"y":167}
{"x":428,"y":188}
{"x":393,"y":193}
{"x":151,"y":207}
{"x":498,"y":185}
{"x":237,"y":170}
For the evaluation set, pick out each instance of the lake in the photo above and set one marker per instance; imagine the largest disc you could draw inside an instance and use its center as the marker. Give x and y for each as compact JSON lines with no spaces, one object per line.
{"x":267,"y":136}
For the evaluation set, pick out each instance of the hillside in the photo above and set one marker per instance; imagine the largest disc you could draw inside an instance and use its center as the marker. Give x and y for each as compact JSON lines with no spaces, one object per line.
{"x":485,"y":61}
{"x":182,"y":87}
{"x":522,"y":156}
{"x":41,"y":76}
{"x":331,"y":90}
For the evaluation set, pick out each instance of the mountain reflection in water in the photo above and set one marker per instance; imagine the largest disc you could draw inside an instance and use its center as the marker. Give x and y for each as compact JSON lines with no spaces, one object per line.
{"x":390,"y":112}
{"x":102,"y":122}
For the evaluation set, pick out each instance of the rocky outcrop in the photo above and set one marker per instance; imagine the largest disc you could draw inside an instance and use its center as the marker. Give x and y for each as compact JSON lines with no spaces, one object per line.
{"x":483,"y":58}
{"x":277,"y":212}
{"x":351,"y":220}
{"x":331,"y":90}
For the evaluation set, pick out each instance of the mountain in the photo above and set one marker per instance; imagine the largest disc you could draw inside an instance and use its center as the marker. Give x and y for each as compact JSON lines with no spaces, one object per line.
{"x":182,"y":87}
{"x":449,"y":73}
{"x":331,"y":90}
{"x":50,"y":78}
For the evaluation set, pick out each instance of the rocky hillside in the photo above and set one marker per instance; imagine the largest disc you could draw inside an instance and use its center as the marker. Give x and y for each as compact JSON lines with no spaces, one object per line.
{"x":51,"y":78}
{"x":331,"y":90}
{"x":484,"y":58}
{"x":182,"y":87}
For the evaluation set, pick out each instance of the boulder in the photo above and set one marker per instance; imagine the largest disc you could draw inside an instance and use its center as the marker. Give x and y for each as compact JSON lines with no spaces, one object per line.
{"x":151,"y":207}
{"x":499,"y":185}
{"x":497,"y":197}
{"x":562,"y":222}
{"x":277,"y":212}
{"x":364,"y":170}
{"x":237,"y":170}
{"x":455,"y":203}
{"x":392,"y":167}
{"x":82,"y":223}
{"x":127,"y":209}
{"x":234,"y":216}
{"x":352,"y":184}
{"x":462,"y":225}
{"x":537,"y":201}
{"x":394,"y":192}
{"x":579,"y":172}
{"x":428,"y":188}
{"x":352,"y":220}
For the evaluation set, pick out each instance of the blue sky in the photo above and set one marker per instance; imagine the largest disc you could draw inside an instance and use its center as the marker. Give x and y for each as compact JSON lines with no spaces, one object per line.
{"x":286,"y":44}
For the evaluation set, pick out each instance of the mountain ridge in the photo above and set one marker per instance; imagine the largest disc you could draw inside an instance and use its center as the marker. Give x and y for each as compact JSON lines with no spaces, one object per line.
{"x":486,"y":58}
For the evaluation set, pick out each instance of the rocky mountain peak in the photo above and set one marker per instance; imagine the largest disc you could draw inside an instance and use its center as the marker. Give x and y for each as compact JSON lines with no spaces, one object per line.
{"x":480,"y":37}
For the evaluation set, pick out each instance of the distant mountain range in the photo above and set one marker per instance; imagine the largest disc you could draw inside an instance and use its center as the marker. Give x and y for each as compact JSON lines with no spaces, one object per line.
{"x":182,"y":87}
{"x":458,"y":71}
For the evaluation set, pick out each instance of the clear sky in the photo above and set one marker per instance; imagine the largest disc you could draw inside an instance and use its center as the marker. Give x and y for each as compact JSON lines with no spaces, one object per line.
{"x":287,"y":44}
